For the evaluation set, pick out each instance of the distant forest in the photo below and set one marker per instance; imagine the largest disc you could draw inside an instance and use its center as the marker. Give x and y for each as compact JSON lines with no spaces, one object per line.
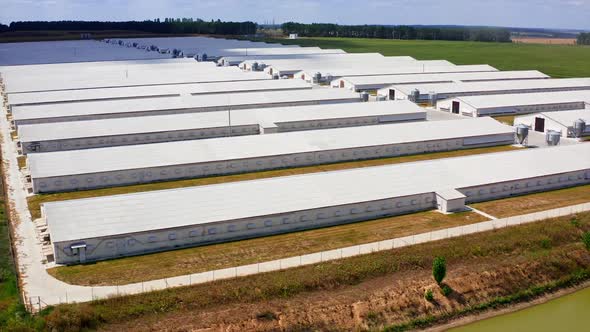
{"x":584,"y":39}
{"x":398,"y":32}
{"x":169,"y":25}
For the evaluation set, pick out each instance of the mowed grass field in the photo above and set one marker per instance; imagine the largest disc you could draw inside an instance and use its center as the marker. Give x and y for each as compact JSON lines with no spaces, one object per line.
{"x":535,"y":202}
{"x":554,"y":60}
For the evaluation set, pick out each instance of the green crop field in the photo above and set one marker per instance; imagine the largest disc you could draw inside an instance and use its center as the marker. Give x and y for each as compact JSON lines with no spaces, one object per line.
{"x":554,"y":60}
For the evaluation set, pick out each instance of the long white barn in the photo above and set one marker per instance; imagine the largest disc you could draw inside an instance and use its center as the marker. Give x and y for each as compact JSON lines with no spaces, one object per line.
{"x":333,"y":72}
{"x":146,"y":75}
{"x":519,"y":103}
{"x":104,"y":109}
{"x":74,"y":135}
{"x":123,"y":165}
{"x":52,"y":97}
{"x":236,"y":60}
{"x":450,"y":90}
{"x":115,"y":226}
{"x":363,"y":83}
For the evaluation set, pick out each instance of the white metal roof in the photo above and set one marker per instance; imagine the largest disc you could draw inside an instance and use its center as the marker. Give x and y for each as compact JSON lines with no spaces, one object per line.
{"x":153,"y":91}
{"x":90,"y":65}
{"x":213,"y":46}
{"x":163,"y":123}
{"x":287,"y":54}
{"x":19,"y":79}
{"x":196,"y":102}
{"x":131,"y":213}
{"x":88,"y":68}
{"x":53,"y":164}
{"x":293,"y":64}
{"x":443,"y":77}
{"x":366,"y":70}
{"x":68,"y":51}
{"x":522,"y":99}
{"x":122,"y":78}
{"x":496,"y":85}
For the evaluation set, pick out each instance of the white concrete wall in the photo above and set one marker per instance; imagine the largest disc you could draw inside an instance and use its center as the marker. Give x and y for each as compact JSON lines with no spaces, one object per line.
{"x":142,"y":138}
{"x":499,"y":190}
{"x":175,"y":172}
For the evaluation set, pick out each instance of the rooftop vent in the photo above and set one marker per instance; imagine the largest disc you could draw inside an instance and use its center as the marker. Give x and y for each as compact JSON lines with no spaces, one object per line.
{"x":579,"y":128}
{"x":522,"y":134}
{"x":552,"y":137}
{"x":365,"y":96}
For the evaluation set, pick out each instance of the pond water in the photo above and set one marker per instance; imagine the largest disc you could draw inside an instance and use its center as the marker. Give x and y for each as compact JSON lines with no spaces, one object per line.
{"x":567,"y":313}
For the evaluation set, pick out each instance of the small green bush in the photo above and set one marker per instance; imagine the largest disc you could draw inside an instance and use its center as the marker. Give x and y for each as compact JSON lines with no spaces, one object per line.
{"x":575,"y":222}
{"x":546,"y":243}
{"x":429,"y":295}
{"x":446,"y":290}
{"x":586,"y":240}
{"x":439,"y":269}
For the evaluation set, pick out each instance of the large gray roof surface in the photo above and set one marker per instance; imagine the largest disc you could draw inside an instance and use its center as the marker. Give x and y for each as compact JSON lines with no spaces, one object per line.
{"x":164,"y":123}
{"x":151,"y":75}
{"x":68,"y":51}
{"x":153,"y":91}
{"x":213,"y":46}
{"x":444,"y":77}
{"x":369,"y":70}
{"x":500,"y":85}
{"x":132,"y":213}
{"x":121,"y":106}
{"x":522,"y":99}
{"x":63,"y":163}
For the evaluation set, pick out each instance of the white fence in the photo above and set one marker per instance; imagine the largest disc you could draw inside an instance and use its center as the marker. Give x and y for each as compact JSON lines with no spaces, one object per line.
{"x":81,"y":294}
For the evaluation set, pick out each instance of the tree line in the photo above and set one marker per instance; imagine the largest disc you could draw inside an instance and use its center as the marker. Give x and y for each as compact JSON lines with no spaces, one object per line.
{"x":397,"y":32}
{"x":584,"y":38}
{"x":168,"y":25}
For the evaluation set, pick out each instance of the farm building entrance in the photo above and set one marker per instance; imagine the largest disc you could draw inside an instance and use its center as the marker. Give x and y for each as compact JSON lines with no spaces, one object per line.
{"x":456,"y":107}
{"x":391,"y":94}
{"x":540,"y":124}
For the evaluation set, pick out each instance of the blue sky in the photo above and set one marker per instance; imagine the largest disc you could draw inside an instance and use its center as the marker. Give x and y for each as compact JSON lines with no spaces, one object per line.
{"x":526,"y":13}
